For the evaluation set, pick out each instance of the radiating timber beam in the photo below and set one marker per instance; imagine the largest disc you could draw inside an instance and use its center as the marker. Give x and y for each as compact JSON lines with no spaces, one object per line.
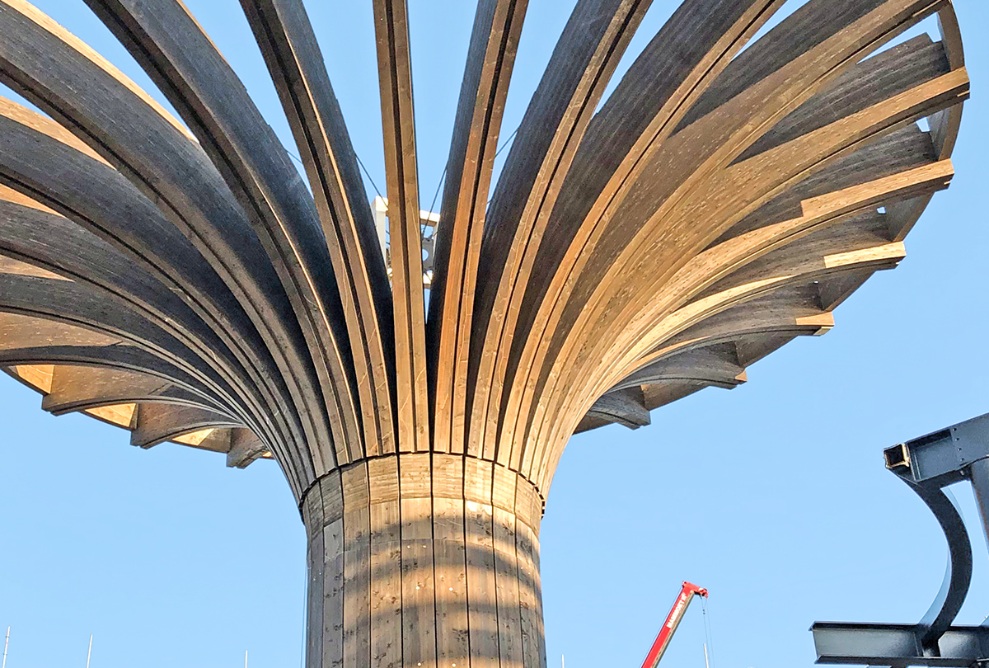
{"x":812,"y":256}
{"x":633,"y":335}
{"x":718,"y":128}
{"x":55,"y":243}
{"x":77,"y":388}
{"x":35,"y":341}
{"x":402,"y":186}
{"x":626,"y":407}
{"x":179,"y":279}
{"x":714,"y":365}
{"x":787,"y":312}
{"x":585,"y":58}
{"x":245,"y":448}
{"x":57,"y":72}
{"x":96,"y":198}
{"x":80,"y":307}
{"x":159,"y":422}
{"x":595,"y":303}
{"x":674,"y":376}
{"x":295,"y":62}
{"x":899,"y":152}
{"x":200,"y":84}
{"x":652,"y":96}
{"x":490,"y":60}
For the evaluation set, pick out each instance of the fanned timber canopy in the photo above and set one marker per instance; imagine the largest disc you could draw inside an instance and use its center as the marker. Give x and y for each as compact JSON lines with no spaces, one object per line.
{"x":177,"y":277}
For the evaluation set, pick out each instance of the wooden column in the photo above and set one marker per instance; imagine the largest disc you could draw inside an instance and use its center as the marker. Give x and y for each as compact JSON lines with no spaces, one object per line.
{"x":424,"y":560}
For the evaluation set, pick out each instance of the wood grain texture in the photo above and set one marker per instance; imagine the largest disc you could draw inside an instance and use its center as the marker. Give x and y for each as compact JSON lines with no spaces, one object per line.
{"x":410,"y":527}
{"x":295,"y":62}
{"x":181,"y":280}
{"x":35,"y":148}
{"x":490,"y":59}
{"x":156,"y":423}
{"x":418,"y":577}
{"x":402,"y":185}
{"x":75,"y":388}
{"x":175,"y":52}
{"x":582,"y":63}
{"x":386,"y":563}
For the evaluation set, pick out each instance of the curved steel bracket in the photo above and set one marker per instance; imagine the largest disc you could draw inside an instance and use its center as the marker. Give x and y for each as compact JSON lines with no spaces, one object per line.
{"x":928,"y":465}
{"x":958,"y":572}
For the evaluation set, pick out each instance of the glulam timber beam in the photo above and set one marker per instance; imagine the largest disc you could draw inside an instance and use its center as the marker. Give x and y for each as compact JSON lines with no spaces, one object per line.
{"x":582,"y":64}
{"x":179,"y":277}
{"x":404,"y":216}
{"x":77,"y":388}
{"x":477,"y":126}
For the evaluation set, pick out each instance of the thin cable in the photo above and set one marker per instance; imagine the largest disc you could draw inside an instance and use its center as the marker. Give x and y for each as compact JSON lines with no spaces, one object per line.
{"x":359,"y":162}
{"x":368,"y":175}
{"x":506,"y":143}
{"x":707,"y":631}
{"x":438,"y":186}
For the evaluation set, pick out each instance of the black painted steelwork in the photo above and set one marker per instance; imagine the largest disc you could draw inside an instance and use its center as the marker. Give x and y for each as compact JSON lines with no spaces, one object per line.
{"x":928,"y":465}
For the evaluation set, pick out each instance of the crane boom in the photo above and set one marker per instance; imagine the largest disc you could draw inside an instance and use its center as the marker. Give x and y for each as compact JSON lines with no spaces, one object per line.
{"x":687,"y":593}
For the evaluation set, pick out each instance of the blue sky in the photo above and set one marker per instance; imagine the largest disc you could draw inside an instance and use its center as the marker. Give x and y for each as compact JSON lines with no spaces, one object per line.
{"x":772,"y":495}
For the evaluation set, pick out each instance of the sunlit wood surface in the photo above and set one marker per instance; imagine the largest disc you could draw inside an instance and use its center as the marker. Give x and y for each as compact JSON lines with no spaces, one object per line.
{"x":177,"y":278}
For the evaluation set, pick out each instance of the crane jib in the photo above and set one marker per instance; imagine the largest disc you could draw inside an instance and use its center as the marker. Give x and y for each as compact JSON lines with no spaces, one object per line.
{"x":687,"y":593}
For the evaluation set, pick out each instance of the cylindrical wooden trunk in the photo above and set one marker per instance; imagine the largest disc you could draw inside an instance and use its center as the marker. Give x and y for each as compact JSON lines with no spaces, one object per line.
{"x":424,"y":560}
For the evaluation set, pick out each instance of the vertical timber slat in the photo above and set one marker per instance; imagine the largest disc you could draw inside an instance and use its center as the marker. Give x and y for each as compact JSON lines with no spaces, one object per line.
{"x":386,"y":563}
{"x":482,"y":607}
{"x":357,"y":567}
{"x":418,"y":596}
{"x":452,"y":633}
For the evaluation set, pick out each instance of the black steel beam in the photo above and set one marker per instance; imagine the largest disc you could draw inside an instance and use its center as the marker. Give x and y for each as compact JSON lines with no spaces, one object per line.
{"x":898,"y":645}
{"x":943,"y":457}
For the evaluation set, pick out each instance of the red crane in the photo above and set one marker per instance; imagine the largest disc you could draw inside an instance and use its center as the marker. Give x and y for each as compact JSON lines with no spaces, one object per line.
{"x":687,"y":593}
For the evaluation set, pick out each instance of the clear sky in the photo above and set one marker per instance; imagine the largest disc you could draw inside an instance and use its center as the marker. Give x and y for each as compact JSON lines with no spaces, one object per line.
{"x":772,"y":495}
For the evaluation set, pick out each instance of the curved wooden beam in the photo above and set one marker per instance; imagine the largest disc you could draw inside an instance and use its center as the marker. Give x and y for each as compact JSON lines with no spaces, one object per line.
{"x":402,"y":186}
{"x":490,"y":60}
{"x":55,"y":243}
{"x":586,"y":55}
{"x":245,"y":448}
{"x":716,"y":365}
{"x":847,"y":244}
{"x":78,"y":306}
{"x":58,"y":73}
{"x":626,"y":407}
{"x":185,"y":285}
{"x":205,"y":91}
{"x":295,"y":62}
{"x":856,"y":244}
{"x":780,"y":167}
{"x":96,"y":198}
{"x":21,"y":331}
{"x":651,"y":98}
{"x":789,"y":312}
{"x":28,"y":340}
{"x":114,"y":396}
{"x":77,"y":388}
{"x":159,"y":422}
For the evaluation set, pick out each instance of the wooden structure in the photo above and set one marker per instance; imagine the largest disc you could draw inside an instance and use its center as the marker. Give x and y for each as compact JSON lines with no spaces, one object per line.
{"x":176,"y":277}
